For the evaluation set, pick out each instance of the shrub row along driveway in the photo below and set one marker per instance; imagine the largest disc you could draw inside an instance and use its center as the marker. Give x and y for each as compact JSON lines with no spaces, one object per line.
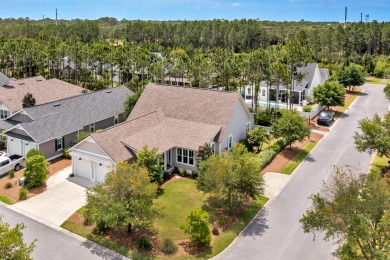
{"x":276,"y":232}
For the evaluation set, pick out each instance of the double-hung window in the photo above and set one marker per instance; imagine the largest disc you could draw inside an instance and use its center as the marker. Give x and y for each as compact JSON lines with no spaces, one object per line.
{"x":230,"y":142}
{"x":185,"y":156}
{"x":4,"y":114}
{"x":59,"y":143}
{"x":92,"y":128}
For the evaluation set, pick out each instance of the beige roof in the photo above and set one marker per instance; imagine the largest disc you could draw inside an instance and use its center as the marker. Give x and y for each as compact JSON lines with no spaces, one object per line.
{"x":190,"y":104}
{"x":153,"y":130}
{"x":43,"y":91}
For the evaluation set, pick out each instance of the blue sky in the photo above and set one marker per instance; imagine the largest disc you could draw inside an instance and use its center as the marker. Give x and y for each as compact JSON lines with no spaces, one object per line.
{"x":276,"y":10}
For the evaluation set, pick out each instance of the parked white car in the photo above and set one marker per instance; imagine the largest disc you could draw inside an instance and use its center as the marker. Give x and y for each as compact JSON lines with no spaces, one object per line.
{"x":14,"y":162}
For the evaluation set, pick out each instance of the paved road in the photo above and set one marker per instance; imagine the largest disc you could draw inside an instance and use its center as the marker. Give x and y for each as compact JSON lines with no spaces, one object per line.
{"x":276,"y":232}
{"x":54,"y":244}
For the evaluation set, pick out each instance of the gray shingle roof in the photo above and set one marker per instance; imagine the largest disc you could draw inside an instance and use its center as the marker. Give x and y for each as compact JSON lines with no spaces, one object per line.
{"x":58,"y":118}
{"x":324,"y":74}
{"x":4,"y":80}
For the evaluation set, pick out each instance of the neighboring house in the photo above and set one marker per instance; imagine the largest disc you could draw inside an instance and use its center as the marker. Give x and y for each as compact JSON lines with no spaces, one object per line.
{"x":13,"y":91}
{"x":53,"y":126}
{"x":313,"y":76}
{"x":176,"y":120}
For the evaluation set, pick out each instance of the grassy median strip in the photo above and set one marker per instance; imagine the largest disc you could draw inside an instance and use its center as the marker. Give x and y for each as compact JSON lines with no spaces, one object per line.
{"x":6,"y":200}
{"x":291,"y":165}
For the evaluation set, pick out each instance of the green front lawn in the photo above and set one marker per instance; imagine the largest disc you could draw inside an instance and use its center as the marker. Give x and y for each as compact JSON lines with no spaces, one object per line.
{"x":177,"y":199}
{"x":378,"y":81}
{"x":291,"y":165}
{"x":378,"y":163}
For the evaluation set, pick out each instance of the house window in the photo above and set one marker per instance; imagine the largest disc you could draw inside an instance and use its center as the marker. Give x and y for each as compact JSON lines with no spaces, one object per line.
{"x":116,"y":120}
{"x":230,"y":142}
{"x":59,"y":143}
{"x":263,"y":92}
{"x":248,"y":126}
{"x":92,"y":128}
{"x":212,"y":148}
{"x":185,"y":156}
{"x":4,"y":114}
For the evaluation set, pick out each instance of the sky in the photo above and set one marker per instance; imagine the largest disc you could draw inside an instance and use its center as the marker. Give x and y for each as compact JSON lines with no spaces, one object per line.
{"x":273,"y":10}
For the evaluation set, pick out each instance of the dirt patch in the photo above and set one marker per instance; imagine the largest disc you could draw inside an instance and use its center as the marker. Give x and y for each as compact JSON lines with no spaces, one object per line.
{"x":288,"y":153}
{"x":13,"y":193}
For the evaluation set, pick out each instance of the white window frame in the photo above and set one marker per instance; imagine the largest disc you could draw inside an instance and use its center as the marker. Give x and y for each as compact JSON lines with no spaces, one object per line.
{"x":212,"y":145}
{"x":230,"y":142}
{"x":92,"y":127}
{"x":4,"y":114}
{"x":185,"y":155}
{"x":59,"y":142}
{"x":116,"y":120}
{"x":263,"y":92}
{"x":248,"y":126}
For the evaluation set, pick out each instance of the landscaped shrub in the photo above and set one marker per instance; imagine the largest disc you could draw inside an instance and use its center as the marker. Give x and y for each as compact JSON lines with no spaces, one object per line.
{"x":307,"y":108}
{"x":65,"y":153}
{"x":11,"y":174}
{"x":176,"y":170}
{"x":197,"y":226}
{"x":2,"y":145}
{"x":265,"y":117}
{"x":168,"y":246}
{"x":71,"y":174}
{"x":33,"y":152}
{"x":266,"y":156}
{"x":8,"y":185}
{"x":144,"y":243}
{"x":23,"y":194}
{"x":183,"y":173}
{"x":166,"y":176}
{"x":35,"y":173}
{"x":195,"y":174}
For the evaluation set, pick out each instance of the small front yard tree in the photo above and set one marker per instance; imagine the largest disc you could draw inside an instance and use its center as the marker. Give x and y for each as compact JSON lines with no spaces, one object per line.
{"x":355,"y":210}
{"x":291,"y":126}
{"x":152,"y":160}
{"x":232,"y":177}
{"x":374,"y":136}
{"x":256,"y":137}
{"x":11,"y":242}
{"x":28,"y":100}
{"x":350,"y":76}
{"x":36,"y":166}
{"x":124,"y":199}
{"x":329,"y":94}
{"x":197,"y":226}
{"x":203,"y":153}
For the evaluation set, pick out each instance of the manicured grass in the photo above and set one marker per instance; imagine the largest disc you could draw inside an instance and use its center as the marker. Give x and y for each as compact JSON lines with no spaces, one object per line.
{"x":341,"y":111}
{"x":378,"y":163}
{"x":177,"y":199}
{"x":373,"y":80}
{"x":6,"y":200}
{"x":291,"y":165}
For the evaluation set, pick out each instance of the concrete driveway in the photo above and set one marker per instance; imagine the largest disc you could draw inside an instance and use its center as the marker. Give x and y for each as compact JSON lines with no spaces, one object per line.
{"x":62,"y":198}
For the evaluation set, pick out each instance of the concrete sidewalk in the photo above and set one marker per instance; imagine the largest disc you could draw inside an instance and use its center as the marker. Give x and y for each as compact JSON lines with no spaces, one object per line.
{"x":274,"y":183}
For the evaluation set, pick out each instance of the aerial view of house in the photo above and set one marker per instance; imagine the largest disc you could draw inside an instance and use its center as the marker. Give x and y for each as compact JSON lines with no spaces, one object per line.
{"x":52,"y":126}
{"x":176,"y":120}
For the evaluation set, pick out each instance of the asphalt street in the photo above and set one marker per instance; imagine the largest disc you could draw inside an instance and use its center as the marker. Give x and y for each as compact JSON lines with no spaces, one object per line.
{"x":54,"y":244}
{"x":276,"y":232}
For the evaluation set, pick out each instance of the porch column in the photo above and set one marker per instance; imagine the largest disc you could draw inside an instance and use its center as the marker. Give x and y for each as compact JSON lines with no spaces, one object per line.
{"x":165,"y":161}
{"x":300,"y":98}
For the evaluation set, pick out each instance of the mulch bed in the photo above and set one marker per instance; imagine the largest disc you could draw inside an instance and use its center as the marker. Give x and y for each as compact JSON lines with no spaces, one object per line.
{"x":13,"y":193}
{"x":288,"y":153}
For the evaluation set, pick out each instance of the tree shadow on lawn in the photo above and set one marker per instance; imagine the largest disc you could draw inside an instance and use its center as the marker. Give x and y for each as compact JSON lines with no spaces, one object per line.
{"x":258,"y":225}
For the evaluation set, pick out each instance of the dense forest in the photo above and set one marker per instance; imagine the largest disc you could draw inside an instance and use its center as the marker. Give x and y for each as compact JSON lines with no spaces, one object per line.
{"x":217,"y":52}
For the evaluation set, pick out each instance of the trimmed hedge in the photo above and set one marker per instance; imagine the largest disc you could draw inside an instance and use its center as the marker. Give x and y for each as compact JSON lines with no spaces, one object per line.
{"x":266,"y":156}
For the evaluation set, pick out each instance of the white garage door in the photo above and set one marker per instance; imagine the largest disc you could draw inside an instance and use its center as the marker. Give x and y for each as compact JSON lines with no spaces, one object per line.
{"x":28,"y":146}
{"x":82,"y":168}
{"x":101,"y":171}
{"x":15,"y":146}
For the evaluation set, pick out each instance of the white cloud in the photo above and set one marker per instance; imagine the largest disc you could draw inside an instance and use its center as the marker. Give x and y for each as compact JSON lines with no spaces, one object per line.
{"x":235,"y":4}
